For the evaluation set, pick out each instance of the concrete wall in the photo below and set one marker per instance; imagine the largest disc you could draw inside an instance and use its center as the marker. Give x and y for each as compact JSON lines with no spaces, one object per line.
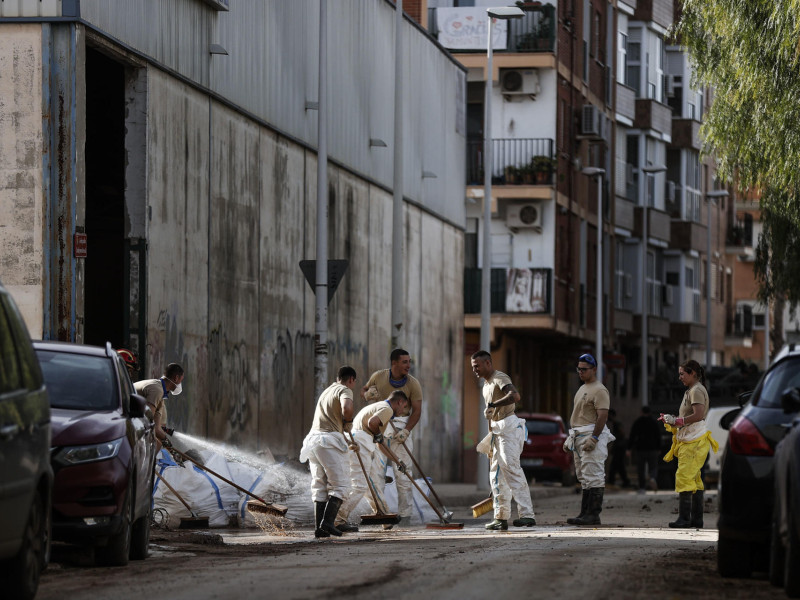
{"x":21,"y":145}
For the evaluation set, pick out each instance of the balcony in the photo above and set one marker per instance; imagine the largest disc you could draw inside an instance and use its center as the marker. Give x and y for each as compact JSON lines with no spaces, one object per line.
{"x":534,"y":32}
{"x":526,"y":161}
{"x":740,"y":234}
{"x":688,"y":235}
{"x":687,"y":333}
{"x":512,"y":291}
{"x":686,"y":134}
{"x":651,"y":114}
{"x":626,"y":101}
{"x":624,"y":214}
{"x":656,"y":326}
{"x":657,"y":11}
{"x":658,"y":224}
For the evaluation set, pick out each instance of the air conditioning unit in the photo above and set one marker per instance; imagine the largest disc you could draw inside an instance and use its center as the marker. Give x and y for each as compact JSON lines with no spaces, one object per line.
{"x":628,"y":285}
{"x":519,"y":82}
{"x":669,"y":295}
{"x":593,"y":122}
{"x":522,"y":216}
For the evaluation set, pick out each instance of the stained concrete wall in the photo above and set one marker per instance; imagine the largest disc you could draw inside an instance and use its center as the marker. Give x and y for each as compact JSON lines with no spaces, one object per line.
{"x":21,"y":200}
{"x":233,"y":212}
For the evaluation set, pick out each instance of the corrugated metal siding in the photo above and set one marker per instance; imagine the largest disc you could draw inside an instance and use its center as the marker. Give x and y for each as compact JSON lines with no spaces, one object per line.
{"x":271,"y":71}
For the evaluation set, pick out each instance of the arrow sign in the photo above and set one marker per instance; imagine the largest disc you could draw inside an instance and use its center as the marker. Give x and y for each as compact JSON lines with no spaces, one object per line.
{"x":336,"y":271}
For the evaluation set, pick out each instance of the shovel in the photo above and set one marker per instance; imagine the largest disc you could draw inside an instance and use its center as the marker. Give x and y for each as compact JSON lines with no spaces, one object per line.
{"x":262,"y":506}
{"x":193,"y":522}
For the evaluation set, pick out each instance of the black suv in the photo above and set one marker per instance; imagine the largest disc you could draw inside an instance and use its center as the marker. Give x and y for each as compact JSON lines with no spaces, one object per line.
{"x":746,"y":484}
{"x":26,"y":479}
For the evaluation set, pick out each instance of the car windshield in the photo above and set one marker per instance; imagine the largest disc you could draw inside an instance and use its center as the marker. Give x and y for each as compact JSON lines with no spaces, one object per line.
{"x":784,"y":375}
{"x":78,"y":381}
{"x":542,"y":427}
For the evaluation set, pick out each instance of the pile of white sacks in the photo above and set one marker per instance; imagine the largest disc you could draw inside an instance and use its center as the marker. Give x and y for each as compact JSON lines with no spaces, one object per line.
{"x":225,"y":506}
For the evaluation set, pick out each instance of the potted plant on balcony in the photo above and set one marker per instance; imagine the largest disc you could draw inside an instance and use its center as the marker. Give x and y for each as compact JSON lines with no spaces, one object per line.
{"x":512,"y":175}
{"x":543,"y":167}
{"x":528,"y":174}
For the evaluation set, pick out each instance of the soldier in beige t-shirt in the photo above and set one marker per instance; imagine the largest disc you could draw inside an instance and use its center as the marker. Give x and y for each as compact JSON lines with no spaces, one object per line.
{"x":325,"y":448}
{"x":156,"y":392}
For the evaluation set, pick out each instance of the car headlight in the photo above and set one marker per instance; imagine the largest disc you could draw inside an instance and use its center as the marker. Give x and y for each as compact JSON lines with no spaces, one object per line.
{"x":75,"y":455}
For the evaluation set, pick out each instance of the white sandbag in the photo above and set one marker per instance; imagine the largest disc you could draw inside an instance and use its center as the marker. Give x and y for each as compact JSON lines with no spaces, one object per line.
{"x":282,"y":485}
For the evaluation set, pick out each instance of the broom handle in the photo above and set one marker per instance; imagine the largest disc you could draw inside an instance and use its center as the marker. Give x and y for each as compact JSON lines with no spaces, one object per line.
{"x":416,"y":464}
{"x":366,"y":477}
{"x":228,"y":481}
{"x":177,"y":495}
{"x":416,"y":485}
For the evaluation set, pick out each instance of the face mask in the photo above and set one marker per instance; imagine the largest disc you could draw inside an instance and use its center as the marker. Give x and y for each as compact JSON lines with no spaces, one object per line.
{"x":178,"y":387}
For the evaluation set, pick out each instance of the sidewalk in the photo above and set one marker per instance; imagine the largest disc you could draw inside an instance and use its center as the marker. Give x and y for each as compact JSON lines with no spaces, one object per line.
{"x":467,"y":494}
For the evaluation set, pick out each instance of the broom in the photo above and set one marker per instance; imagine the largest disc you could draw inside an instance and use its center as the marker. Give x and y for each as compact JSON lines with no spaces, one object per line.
{"x":482,"y":507}
{"x":193,"y":522}
{"x":379,"y":518}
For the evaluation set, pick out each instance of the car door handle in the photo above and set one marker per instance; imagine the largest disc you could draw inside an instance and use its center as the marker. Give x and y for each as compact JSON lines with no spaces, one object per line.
{"x":8,"y":432}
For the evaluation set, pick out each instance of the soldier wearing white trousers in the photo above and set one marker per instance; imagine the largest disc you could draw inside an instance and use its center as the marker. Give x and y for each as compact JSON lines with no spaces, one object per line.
{"x":405,"y":489}
{"x":508,"y":435}
{"x":325,"y":449}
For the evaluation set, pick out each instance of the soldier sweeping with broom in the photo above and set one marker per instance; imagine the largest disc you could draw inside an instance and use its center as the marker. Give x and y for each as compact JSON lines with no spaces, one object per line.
{"x":325,"y":449}
{"x":508,"y":434}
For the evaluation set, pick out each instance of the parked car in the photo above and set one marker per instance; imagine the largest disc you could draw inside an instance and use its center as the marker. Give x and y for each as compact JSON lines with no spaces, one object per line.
{"x":784,"y":563}
{"x":713,"y":421}
{"x":26,"y":479}
{"x":543,"y":456}
{"x":103,"y":451}
{"x":746,"y":484}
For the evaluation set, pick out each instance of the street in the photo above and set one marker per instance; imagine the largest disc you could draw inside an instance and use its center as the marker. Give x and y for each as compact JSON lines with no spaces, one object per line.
{"x":632,"y":555}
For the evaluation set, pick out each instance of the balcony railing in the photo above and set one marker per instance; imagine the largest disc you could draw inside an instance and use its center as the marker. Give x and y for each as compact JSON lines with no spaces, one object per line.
{"x":527,"y":161}
{"x":740,"y":233}
{"x":534,"y":32}
{"x":512,"y":291}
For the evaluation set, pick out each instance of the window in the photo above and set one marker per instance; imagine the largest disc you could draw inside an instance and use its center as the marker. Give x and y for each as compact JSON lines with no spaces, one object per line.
{"x":10,"y":379}
{"x":633,"y":68}
{"x":622,"y":58}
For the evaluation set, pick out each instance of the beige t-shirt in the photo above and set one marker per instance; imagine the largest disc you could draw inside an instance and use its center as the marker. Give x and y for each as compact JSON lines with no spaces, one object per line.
{"x":380,"y":379}
{"x":589,"y":398}
{"x":696,"y":394}
{"x":382,"y":409}
{"x":153,"y":392}
{"x":493,"y":391}
{"x":328,"y":414}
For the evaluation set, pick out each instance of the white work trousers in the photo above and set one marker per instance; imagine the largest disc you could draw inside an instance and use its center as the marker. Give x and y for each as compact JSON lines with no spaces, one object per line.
{"x":505,"y":475}
{"x":327,"y":460}
{"x":405,"y":489}
{"x":590,"y":467}
{"x":369,"y":454}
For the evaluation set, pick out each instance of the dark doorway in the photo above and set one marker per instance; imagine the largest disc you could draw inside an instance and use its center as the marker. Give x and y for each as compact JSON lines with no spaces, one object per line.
{"x":104,"y":289}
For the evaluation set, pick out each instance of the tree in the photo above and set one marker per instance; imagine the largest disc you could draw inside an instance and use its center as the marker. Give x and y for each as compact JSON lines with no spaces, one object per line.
{"x":748,"y":52}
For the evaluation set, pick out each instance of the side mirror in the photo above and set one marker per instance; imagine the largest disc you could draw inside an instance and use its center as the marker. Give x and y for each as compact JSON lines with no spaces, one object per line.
{"x":790,"y":400}
{"x":744,"y":397}
{"x":138,"y":406}
{"x":728,"y":418}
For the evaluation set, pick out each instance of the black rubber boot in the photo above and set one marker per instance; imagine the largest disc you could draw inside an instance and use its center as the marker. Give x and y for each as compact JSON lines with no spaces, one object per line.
{"x":319,"y":513}
{"x":584,"y":508}
{"x":595,"y":506}
{"x":346,"y":527}
{"x":329,"y":518}
{"x":684,"y":511}
{"x":697,"y":509}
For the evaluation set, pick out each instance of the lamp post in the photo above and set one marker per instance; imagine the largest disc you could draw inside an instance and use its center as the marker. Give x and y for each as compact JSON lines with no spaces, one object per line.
{"x":598,"y":352}
{"x":503,"y":13}
{"x":321,"y":278}
{"x":710,"y":198}
{"x":398,"y":297}
{"x":648,"y":170}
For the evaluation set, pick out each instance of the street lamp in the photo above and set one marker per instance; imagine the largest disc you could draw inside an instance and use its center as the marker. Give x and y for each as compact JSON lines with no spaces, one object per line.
{"x":504,"y":13}
{"x":648,"y":170}
{"x":598,"y":352}
{"x":710,"y":196}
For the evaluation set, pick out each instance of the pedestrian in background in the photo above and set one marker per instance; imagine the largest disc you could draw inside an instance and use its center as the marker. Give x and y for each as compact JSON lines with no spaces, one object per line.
{"x":380,"y":386}
{"x":619,"y":450}
{"x":508,"y":433}
{"x":325,"y":449}
{"x":691,"y":440}
{"x":588,"y":440}
{"x":645,"y":442}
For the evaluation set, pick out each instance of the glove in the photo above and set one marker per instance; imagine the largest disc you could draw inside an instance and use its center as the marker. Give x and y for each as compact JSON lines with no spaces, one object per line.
{"x":488,"y":412}
{"x":372,"y":394}
{"x":378,"y":438}
{"x":166,"y":443}
{"x":401,"y":466}
{"x":669,"y":419}
{"x":353,"y":447}
{"x":348,"y":426}
{"x":566,"y":446}
{"x":168,"y":430}
{"x":589,"y":445}
{"x":401,"y":436}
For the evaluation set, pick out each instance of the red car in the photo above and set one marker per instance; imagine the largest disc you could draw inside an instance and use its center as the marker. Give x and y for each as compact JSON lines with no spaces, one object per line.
{"x":543,"y":455}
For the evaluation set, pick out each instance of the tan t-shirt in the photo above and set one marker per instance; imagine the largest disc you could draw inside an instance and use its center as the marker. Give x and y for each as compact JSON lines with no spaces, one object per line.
{"x":382,"y":409}
{"x":380,"y":379}
{"x":696,"y":394}
{"x":153,"y":392}
{"x":328,"y":414}
{"x":493,"y":390}
{"x":589,"y":398}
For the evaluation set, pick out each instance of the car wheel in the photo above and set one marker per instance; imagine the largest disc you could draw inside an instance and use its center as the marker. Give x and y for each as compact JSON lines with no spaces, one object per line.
{"x":734,"y":558}
{"x":20,"y":575}
{"x":776,"y":550}
{"x":117,"y":552}
{"x":791,"y":574}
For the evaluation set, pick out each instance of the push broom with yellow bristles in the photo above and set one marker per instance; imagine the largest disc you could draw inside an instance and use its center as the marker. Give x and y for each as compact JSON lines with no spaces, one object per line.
{"x":482,"y":507}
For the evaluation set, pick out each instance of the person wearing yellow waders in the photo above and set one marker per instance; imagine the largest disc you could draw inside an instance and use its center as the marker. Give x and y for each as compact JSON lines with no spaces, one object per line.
{"x":691,"y":440}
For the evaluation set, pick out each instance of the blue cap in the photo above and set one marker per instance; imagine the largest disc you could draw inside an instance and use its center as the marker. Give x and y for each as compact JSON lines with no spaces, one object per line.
{"x":587,"y":358}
